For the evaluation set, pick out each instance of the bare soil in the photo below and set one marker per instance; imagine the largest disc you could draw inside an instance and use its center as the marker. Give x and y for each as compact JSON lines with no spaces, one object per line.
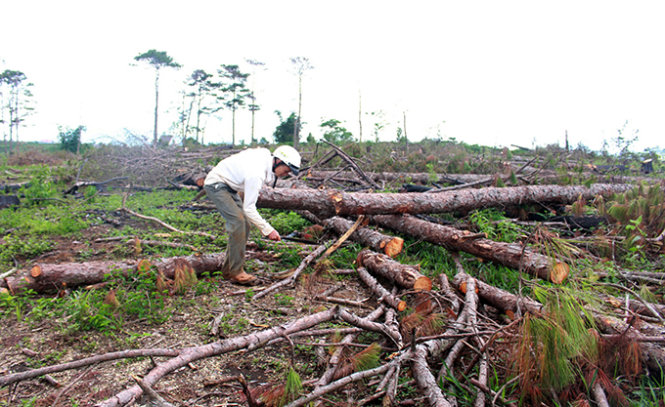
{"x":30,"y":345}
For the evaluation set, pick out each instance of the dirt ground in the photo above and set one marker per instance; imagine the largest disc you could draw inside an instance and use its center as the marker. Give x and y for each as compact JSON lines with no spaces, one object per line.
{"x":27,"y":346}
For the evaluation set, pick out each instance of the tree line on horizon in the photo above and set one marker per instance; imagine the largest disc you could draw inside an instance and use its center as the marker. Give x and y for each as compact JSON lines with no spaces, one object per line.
{"x":205,"y":94}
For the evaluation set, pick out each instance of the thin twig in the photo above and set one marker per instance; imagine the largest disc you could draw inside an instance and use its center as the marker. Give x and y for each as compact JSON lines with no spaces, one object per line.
{"x":71,"y":384}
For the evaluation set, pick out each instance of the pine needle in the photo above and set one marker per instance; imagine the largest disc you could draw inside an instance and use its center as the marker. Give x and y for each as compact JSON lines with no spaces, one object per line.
{"x":293,"y":387}
{"x":368,"y":358}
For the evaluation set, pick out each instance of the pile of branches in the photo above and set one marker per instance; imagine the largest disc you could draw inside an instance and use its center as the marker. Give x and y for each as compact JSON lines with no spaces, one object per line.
{"x":148,"y":166}
{"x":447,"y":335}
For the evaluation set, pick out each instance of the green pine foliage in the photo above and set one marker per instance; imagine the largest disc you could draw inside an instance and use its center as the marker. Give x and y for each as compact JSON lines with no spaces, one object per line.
{"x":553,"y":346}
{"x":293,"y":387}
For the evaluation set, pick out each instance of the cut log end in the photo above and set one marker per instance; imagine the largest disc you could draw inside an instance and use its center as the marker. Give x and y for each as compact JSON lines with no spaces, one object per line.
{"x":423,"y":283}
{"x":359,"y":259}
{"x":559,"y":272}
{"x":36,"y":271}
{"x":401,"y":306}
{"x":394,"y":246}
{"x":462,"y":287}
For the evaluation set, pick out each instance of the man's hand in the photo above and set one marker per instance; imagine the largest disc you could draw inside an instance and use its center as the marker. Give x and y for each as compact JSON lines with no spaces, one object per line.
{"x":274,"y":235}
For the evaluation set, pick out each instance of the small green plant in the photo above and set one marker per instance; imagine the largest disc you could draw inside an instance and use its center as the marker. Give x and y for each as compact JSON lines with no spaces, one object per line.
{"x":89,"y":312}
{"x":495,"y":225}
{"x":249,"y":294}
{"x":551,"y":346}
{"x":10,"y":304}
{"x":432,"y":176}
{"x":293,"y":387}
{"x":283,"y":300}
{"x":41,"y":186}
{"x":22,"y":246}
{"x":287,"y":222}
{"x":650,"y":391}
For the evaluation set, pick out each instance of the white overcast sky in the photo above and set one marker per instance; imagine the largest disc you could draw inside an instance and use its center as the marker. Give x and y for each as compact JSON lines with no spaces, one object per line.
{"x":490,"y":72}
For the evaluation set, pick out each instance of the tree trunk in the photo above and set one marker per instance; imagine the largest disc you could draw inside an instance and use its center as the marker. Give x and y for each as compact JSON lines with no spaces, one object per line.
{"x":653,"y":354}
{"x":233,"y":121}
{"x":497,"y":297}
{"x":456,"y":179}
{"x":296,"y":129}
{"x":250,"y":342}
{"x":380,"y":291}
{"x":51,"y":277}
{"x":154,"y":136}
{"x":360,"y":117}
{"x":404,"y":275}
{"x":333,"y":202}
{"x":390,"y":245}
{"x":509,"y":254}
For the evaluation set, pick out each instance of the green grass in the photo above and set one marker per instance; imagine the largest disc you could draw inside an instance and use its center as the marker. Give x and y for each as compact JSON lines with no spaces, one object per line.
{"x":46,"y":217}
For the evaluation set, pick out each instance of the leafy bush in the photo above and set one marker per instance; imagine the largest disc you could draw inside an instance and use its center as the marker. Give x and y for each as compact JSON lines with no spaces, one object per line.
{"x":495,"y":225}
{"x":41,"y":186}
{"x":70,"y":139}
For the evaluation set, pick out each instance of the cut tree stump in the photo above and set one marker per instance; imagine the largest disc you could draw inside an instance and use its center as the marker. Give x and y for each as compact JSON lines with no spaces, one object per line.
{"x":329,"y":203}
{"x":509,"y":254}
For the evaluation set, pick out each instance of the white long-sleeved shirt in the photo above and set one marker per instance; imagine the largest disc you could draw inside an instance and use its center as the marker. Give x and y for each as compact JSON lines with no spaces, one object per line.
{"x":246,"y":171}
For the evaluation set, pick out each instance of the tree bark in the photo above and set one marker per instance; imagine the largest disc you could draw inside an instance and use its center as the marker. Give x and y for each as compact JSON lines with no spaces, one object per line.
{"x":187,"y":355}
{"x":404,"y":275}
{"x":353,"y":165}
{"x":389,"y":245}
{"x":380,"y":291}
{"x":44,"y":277}
{"x":497,"y":297}
{"x":426,"y":380}
{"x":333,"y":202}
{"x":509,"y":254}
{"x":653,"y":355}
{"x":426,"y":178}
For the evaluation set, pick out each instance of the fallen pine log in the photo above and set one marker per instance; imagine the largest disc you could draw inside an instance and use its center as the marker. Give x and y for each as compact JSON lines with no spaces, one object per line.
{"x":509,"y":254}
{"x":457,"y":179}
{"x":380,"y":291}
{"x":97,"y":184}
{"x":43,"y":277}
{"x":652,"y":354}
{"x":390,"y":245}
{"x":404,"y":275}
{"x":251,"y":341}
{"x":412,"y":177}
{"x":497,"y":297}
{"x":334,"y":202}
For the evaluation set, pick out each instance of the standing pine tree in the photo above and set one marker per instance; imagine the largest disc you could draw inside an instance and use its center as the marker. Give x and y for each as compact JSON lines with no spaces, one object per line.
{"x":301,"y":65}
{"x":158,"y":60}
{"x":253,"y":106}
{"x":234,"y":92}
{"x":17,"y":107}
{"x":201,"y":100}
